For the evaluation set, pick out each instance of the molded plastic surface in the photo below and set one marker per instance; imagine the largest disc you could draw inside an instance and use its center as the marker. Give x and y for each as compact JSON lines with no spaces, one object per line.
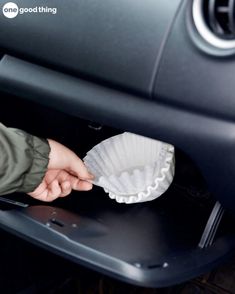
{"x":192,"y":77}
{"x":192,"y":108}
{"x":153,"y":244}
{"x":209,"y":141}
{"x":119,"y":42}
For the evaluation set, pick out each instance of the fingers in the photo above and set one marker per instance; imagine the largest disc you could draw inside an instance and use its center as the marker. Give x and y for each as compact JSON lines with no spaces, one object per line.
{"x":55,"y":189}
{"x":83,"y":186}
{"x":58,"y":183}
{"x":39,"y":190}
{"x":79,"y":169}
{"x":65,"y":159}
{"x":75,"y":183}
{"x":52,"y":191}
{"x":66,"y":189}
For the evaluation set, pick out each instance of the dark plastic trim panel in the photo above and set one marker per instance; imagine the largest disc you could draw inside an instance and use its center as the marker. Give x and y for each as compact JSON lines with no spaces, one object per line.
{"x":117,"y":42}
{"x":195,"y":261}
{"x":209,"y":141}
{"x":193,"y":74}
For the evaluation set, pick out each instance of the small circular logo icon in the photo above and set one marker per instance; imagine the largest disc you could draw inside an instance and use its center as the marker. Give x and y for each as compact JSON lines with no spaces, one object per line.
{"x":10,"y":10}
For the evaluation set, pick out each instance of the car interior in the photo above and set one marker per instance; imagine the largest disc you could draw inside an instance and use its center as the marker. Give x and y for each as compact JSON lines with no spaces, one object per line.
{"x":163,"y":69}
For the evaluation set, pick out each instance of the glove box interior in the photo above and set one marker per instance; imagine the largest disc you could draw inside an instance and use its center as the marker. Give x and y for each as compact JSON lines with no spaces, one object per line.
{"x":164,"y":242}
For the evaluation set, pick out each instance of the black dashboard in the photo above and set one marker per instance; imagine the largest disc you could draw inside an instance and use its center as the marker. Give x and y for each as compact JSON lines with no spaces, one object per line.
{"x":142,"y":66}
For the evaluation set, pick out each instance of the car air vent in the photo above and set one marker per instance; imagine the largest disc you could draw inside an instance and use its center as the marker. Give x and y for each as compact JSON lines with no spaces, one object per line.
{"x":215,"y":21}
{"x":220,"y":17}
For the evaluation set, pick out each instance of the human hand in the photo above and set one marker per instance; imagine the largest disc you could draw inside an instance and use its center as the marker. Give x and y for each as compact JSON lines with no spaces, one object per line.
{"x":66,"y":172}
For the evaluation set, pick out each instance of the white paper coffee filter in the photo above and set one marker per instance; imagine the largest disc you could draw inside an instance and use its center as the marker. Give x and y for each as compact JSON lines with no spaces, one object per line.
{"x":132,"y":168}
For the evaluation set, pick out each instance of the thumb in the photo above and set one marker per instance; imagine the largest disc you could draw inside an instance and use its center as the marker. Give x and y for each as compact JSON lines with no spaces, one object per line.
{"x":79,"y":169}
{"x":61,"y":157}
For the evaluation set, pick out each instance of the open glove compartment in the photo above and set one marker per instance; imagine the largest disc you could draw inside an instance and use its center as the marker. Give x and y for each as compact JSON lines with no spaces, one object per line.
{"x":131,"y":65}
{"x":155,"y":244}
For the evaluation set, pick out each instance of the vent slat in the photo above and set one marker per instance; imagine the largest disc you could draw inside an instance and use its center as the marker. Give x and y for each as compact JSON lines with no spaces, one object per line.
{"x":220,"y":17}
{"x":211,"y":16}
{"x":215,"y":22}
{"x":231,"y":16}
{"x":222,"y":9}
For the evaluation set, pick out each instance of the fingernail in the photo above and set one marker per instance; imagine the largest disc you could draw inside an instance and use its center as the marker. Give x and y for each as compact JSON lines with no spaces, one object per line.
{"x":89,"y":188}
{"x":91,"y":176}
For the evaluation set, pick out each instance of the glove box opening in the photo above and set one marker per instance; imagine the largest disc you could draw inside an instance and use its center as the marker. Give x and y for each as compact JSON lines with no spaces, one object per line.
{"x":156,"y":244}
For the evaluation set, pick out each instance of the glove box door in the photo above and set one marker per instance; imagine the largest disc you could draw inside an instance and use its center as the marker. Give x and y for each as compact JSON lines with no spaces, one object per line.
{"x":152,"y":244}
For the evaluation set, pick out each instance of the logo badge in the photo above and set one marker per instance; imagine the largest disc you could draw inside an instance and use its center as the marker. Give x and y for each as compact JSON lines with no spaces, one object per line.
{"x":10,"y":10}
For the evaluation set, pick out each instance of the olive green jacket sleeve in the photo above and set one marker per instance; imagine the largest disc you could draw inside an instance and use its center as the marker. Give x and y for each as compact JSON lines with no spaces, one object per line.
{"x":23,"y":160}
